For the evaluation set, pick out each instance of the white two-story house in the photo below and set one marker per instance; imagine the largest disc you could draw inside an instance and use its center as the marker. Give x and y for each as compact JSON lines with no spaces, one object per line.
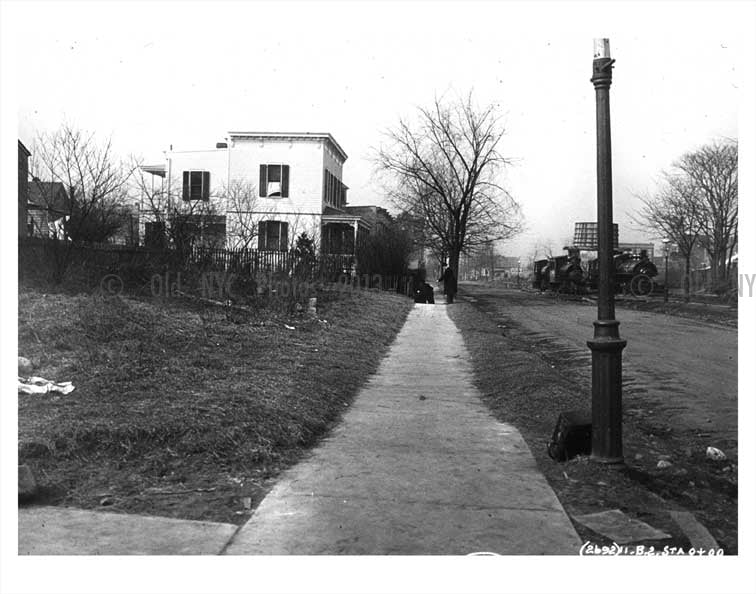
{"x":257,"y":190}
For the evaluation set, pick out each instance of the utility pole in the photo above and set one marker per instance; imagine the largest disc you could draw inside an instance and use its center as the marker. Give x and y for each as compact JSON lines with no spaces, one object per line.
{"x":606,"y":345}
{"x":666,"y":269}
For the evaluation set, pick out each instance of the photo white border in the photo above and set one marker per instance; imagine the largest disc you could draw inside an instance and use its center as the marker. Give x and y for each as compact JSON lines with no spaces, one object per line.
{"x":401,"y":574}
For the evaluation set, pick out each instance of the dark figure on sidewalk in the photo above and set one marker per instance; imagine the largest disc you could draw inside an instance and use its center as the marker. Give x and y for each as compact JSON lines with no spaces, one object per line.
{"x":422,"y":292}
{"x":450,"y":284}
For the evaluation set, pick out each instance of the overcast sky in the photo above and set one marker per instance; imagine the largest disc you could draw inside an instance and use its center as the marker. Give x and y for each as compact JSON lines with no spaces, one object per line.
{"x":184,"y":74}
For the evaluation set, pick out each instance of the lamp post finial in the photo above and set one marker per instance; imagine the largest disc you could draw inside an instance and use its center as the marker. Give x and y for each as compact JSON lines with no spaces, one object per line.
{"x":601,"y":48}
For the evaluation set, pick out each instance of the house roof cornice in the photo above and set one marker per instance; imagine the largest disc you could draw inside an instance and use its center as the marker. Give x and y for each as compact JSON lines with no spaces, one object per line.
{"x":293,"y":135}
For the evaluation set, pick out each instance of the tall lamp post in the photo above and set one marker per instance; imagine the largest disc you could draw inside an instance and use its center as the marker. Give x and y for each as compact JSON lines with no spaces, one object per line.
{"x":606,"y":345}
{"x":666,"y":269}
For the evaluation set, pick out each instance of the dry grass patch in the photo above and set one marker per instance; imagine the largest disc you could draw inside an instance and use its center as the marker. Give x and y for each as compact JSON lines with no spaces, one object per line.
{"x":186,"y":410}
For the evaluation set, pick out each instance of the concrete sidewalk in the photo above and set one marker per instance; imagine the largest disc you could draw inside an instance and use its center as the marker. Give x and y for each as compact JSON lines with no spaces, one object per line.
{"x":418,"y":466}
{"x":65,"y":531}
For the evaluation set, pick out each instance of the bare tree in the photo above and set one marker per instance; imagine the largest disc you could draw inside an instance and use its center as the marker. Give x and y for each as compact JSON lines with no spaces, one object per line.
{"x":444,"y":168}
{"x":672,"y":212}
{"x":544,"y":248}
{"x":241,"y":202}
{"x":173,"y":221}
{"x":481,"y":261}
{"x":697,"y":203}
{"x":96,"y":188}
{"x":541,"y":249}
{"x":94,"y":178}
{"x":244,"y":216}
{"x":298,"y":224}
{"x":712,"y":171}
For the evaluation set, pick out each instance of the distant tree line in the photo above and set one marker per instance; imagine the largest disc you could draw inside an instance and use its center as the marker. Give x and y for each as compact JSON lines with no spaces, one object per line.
{"x":696,"y":203}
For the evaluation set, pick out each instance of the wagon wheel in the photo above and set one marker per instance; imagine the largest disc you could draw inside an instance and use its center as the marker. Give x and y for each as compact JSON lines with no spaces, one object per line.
{"x":641,"y":285}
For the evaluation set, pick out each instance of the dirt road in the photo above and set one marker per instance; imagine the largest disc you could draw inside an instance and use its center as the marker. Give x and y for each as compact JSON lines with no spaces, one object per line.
{"x":682,"y":373}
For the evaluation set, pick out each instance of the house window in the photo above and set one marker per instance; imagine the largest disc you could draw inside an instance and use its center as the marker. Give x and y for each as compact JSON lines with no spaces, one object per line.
{"x":274,"y":181}
{"x":333,"y":190}
{"x":273,"y":236}
{"x":196,"y":185}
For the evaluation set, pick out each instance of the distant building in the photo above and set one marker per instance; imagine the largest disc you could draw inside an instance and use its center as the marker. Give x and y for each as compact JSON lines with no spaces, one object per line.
{"x":699,"y":257}
{"x":487,"y":265}
{"x":23,"y":187}
{"x":506,"y":265}
{"x":48,"y":207}
{"x":637,"y":248}
{"x":377,"y":217}
{"x":343,"y":228}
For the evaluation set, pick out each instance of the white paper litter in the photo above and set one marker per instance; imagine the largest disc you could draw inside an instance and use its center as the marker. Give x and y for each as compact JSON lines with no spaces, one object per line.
{"x":713,"y":453}
{"x":39,"y":385}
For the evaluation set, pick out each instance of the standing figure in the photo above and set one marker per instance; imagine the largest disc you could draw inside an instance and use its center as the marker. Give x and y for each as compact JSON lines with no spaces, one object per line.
{"x":450,"y":284}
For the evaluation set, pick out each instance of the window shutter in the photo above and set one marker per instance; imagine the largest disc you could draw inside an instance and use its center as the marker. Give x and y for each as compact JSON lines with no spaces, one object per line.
{"x":284,"y":181}
{"x":263,"y":181}
{"x":284,"y":237}
{"x":206,"y":185}
{"x":185,"y":186}
{"x":325,"y":186}
{"x":261,"y":235}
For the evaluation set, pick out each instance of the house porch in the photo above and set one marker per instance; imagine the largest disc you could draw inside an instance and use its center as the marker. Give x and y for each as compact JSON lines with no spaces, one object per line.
{"x":342,"y":234}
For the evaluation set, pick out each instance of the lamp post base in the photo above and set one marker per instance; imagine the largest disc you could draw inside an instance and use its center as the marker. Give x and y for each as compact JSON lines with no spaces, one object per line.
{"x":609,"y":462}
{"x":606,"y":393}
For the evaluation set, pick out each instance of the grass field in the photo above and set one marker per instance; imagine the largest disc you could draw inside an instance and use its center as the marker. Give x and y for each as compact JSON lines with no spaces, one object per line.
{"x":187,"y":410}
{"x":523,"y":387}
